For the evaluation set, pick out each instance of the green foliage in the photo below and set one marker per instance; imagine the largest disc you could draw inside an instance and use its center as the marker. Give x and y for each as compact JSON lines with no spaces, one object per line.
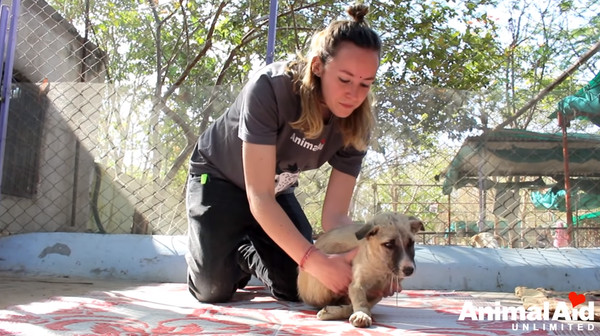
{"x":546,"y":39}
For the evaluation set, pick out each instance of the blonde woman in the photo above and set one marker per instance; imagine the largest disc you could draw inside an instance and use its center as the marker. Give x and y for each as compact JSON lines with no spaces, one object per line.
{"x":244,"y":218}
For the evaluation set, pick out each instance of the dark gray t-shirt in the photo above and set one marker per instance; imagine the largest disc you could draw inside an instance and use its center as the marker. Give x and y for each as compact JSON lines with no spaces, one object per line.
{"x":261,"y":114}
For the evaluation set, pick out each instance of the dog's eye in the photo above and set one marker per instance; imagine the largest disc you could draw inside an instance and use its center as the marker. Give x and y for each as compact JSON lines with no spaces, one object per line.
{"x":389,"y":244}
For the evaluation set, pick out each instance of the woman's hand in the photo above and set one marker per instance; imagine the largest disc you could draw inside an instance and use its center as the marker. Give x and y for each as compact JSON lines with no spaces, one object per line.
{"x":334,"y":271}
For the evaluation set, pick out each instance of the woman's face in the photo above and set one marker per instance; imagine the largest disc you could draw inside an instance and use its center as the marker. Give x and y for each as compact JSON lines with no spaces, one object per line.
{"x":346,"y":78}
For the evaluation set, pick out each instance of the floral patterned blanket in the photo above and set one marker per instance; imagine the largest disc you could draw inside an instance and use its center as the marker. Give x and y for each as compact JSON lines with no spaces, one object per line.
{"x":168,"y":309}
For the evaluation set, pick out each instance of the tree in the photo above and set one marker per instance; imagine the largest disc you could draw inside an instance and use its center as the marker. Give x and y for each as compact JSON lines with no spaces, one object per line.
{"x":176,"y":65}
{"x":545,"y":39}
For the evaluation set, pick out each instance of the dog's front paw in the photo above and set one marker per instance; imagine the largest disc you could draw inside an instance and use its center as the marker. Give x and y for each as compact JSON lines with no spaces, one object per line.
{"x":361,"y":319}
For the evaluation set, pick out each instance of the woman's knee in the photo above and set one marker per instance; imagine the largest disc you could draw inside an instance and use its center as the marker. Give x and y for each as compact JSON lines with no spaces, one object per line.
{"x":210,"y":290}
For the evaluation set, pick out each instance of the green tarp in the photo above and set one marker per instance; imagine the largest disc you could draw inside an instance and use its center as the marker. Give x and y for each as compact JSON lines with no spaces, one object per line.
{"x":551,"y":200}
{"x":584,"y":104}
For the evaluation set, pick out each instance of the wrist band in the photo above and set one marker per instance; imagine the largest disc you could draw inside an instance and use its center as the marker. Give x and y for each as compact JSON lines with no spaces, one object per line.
{"x":306,"y":255}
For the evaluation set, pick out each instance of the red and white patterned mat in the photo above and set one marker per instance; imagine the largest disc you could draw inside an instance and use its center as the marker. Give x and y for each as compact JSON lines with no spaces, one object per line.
{"x":169,"y":309}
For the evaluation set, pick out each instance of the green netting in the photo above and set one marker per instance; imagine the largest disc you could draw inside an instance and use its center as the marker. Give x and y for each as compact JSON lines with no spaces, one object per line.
{"x":517,"y":154}
{"x":513,"y":152}
{"x":473,"y":226}
{"x":587,"y":216}
{"x":525,"y":135}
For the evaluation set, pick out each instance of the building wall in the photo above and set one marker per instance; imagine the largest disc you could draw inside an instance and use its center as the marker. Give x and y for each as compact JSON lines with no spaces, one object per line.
{"x":49,"y":53}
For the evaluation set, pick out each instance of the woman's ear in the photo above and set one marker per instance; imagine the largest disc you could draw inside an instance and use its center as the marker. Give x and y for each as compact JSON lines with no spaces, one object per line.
{"x":316,"y":66}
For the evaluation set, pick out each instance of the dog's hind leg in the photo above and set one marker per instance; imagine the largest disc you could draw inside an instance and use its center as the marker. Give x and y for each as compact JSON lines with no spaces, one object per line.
{"x":340,"y":312}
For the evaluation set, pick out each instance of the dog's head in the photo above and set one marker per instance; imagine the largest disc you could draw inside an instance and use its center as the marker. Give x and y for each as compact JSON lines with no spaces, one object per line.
{"x":390,"y":237}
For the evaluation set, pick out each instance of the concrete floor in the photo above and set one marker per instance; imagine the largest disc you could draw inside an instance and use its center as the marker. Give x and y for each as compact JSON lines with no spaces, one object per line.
{"x":20,"y":290}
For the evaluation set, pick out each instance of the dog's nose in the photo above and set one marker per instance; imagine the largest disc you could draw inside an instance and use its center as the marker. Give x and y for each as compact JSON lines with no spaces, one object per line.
{"x":407,"y":270}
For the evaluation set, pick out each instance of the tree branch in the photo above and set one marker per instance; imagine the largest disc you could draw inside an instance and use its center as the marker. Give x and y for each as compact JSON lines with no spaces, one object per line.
{"x":192,"y":64}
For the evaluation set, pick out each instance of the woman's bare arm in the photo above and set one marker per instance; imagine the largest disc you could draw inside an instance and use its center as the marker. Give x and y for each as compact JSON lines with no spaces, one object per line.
{"x":334,"y":271}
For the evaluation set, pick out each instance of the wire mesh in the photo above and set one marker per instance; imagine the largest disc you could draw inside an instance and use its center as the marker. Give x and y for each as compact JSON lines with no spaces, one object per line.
{"x":88,"y":155}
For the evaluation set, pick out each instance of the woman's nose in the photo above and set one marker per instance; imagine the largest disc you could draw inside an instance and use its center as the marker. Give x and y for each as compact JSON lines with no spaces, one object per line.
{"x":352,"y":91}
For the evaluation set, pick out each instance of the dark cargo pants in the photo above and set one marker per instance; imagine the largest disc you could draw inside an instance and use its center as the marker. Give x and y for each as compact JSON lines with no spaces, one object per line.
{"x":226,"y":244}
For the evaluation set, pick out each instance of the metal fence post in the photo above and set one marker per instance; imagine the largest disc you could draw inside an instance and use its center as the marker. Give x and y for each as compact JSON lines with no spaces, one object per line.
{"x":7,"y":67}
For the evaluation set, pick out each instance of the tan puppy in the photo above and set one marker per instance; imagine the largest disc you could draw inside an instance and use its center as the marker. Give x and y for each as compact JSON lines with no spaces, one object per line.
{"x":485,"y":239}
{"x":385,"y":256}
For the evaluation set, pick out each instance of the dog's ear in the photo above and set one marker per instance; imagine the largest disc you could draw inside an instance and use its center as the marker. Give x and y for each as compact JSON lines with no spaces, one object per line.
{"x":415,"y":224}
{"x":363,"y":231}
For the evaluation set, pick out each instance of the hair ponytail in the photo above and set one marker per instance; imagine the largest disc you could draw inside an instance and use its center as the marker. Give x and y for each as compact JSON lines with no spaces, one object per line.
{"x":358,"y":13}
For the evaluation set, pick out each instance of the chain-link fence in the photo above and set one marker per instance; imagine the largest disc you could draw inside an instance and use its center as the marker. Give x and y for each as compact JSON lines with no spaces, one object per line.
{"x":84,"y":154}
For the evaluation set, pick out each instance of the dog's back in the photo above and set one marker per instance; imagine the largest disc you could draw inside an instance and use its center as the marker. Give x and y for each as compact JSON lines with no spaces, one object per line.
{"x":340,"y":240}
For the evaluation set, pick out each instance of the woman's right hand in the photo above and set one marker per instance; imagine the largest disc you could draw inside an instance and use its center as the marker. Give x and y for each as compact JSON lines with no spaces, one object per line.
{"x":334,"y":271}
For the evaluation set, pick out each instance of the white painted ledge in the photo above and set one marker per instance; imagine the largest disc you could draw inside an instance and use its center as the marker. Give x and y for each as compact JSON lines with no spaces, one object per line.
{"x":161,"y":259}
{"x":90,"y":255}
{"x":501,"y":270}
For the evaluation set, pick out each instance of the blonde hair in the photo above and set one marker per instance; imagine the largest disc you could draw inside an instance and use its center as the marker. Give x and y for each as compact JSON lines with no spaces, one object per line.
{"x":357,"y":127}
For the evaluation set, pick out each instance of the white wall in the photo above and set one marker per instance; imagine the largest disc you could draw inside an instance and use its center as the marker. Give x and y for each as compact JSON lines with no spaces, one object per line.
{"x":161,"y":259}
